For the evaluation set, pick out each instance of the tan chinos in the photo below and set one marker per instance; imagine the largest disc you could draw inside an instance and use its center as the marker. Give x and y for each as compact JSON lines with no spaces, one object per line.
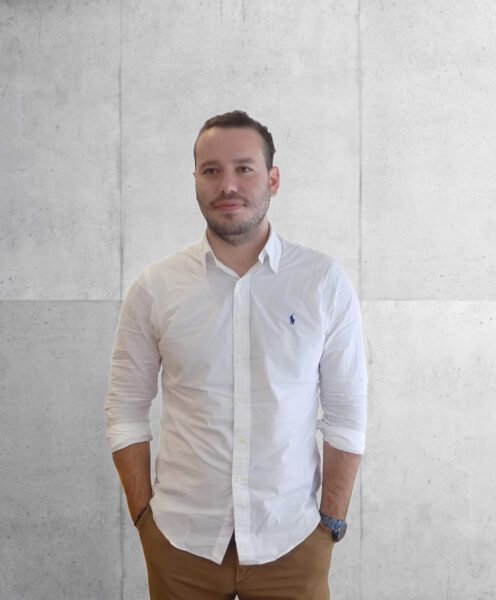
{"x":174,"y":574}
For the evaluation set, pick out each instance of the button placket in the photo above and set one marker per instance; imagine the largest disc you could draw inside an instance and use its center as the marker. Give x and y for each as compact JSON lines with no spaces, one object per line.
{"x":242,"y":416}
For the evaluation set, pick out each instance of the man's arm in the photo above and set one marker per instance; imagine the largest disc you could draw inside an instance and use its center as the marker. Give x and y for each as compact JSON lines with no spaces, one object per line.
{"x":136,"y":363}
{"x":343,"y":394}
{"x":339,"y":472}
{"x":133,"y":465}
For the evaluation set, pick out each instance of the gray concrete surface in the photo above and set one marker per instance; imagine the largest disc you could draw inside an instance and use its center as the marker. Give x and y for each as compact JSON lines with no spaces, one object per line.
{"x":382,"y":114}
{"x":429,"y":210}
{"x":59,"y":140}
{"x":60,"y":518}
{"x":429,"y":482}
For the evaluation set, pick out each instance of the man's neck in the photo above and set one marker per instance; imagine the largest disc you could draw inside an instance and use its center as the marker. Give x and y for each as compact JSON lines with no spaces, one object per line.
{"x":241,"y":257}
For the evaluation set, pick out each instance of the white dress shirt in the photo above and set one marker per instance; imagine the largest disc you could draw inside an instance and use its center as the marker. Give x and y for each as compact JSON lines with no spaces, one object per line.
{"x":244,"y":362}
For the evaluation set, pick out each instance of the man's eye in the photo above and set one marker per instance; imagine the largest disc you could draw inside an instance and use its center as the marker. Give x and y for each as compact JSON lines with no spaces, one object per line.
{"x":245,"y":169}
{"x":208,"y":171}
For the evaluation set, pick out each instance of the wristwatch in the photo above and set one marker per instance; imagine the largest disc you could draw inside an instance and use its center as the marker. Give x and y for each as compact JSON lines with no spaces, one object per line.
{"x":337,"y":527}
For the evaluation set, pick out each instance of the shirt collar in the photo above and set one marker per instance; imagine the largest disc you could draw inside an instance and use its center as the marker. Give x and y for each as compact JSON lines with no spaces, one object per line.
{"x":272,"y":250}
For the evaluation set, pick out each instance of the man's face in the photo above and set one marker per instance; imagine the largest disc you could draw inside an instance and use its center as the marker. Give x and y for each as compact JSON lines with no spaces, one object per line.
{"x":233,"y":185}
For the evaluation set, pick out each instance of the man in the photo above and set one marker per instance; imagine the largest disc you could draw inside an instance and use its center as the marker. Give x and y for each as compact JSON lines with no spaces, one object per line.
{"x":251,"y":331}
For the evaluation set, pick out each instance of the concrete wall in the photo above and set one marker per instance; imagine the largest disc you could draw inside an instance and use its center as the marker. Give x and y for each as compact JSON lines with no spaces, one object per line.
{"x":383,"y":116}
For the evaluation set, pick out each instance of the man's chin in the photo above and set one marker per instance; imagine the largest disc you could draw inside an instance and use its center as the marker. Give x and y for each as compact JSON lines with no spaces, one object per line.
{"x":239,"y":232}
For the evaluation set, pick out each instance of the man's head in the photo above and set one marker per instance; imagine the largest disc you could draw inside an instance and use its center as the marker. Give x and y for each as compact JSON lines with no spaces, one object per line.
{"x":234,"y":176}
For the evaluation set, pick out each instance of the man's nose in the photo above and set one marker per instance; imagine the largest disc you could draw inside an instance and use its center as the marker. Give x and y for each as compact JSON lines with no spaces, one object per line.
{"x":228,"y":184}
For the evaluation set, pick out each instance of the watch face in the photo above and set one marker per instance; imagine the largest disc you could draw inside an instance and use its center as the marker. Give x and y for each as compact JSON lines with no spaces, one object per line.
{"x":339,"y":531}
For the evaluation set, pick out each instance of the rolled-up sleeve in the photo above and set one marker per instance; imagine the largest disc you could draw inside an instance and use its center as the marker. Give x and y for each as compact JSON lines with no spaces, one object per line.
{"x":134,"y":373}
{"x":342,"y":369}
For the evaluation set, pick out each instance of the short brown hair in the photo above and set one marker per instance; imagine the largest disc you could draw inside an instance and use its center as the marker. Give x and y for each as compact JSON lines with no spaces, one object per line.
{"x":239,"y":118}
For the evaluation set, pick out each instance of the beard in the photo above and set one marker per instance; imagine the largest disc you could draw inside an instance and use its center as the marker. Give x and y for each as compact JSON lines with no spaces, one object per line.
{"x":232,"y":228}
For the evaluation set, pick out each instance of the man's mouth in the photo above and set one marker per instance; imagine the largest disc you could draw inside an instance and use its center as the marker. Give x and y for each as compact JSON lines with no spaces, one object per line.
{"x":227,"y":205}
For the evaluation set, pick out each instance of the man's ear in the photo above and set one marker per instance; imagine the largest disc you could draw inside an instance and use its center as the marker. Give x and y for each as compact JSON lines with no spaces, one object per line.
{"x":274,"y":180}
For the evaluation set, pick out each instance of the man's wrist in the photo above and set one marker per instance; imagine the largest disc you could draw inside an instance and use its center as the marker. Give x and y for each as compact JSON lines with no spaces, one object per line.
{"x":137,"y":506}
{"x":137,"y":517}
{"x":337,"y":527}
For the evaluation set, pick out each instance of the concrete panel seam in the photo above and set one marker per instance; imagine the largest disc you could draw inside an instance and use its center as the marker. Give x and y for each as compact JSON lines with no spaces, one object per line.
{"x":360,"y":145}
{"x":360,"y":228}
{"x":119,"y":159}
{"x":121,"y":252}
{"x":122,"y":524}
{"x":360,"y":560}
{"x":61,"y":300}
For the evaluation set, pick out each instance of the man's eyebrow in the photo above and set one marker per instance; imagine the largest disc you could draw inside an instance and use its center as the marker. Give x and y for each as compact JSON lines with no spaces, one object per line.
{"x":206,"y":163}
{"x":236,"y":161}
{"x":244,"y":160}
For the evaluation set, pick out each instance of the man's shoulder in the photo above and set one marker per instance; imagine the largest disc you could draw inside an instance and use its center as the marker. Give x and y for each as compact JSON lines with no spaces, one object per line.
{"x":179,"y":260}
{"x":313,"y":267}
{"x":294,"y":254}
{"x":172,"y":268}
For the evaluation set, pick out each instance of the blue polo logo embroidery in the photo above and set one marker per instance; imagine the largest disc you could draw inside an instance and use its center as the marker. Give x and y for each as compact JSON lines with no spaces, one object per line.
{"x":292,"y":318}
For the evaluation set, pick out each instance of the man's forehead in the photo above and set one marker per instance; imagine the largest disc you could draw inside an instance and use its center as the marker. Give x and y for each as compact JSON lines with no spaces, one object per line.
{"x":232,"y":137}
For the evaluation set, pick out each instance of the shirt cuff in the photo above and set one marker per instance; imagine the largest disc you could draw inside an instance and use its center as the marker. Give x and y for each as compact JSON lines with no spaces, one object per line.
{"x":124,"y":434}
{"x":341,"y":438}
